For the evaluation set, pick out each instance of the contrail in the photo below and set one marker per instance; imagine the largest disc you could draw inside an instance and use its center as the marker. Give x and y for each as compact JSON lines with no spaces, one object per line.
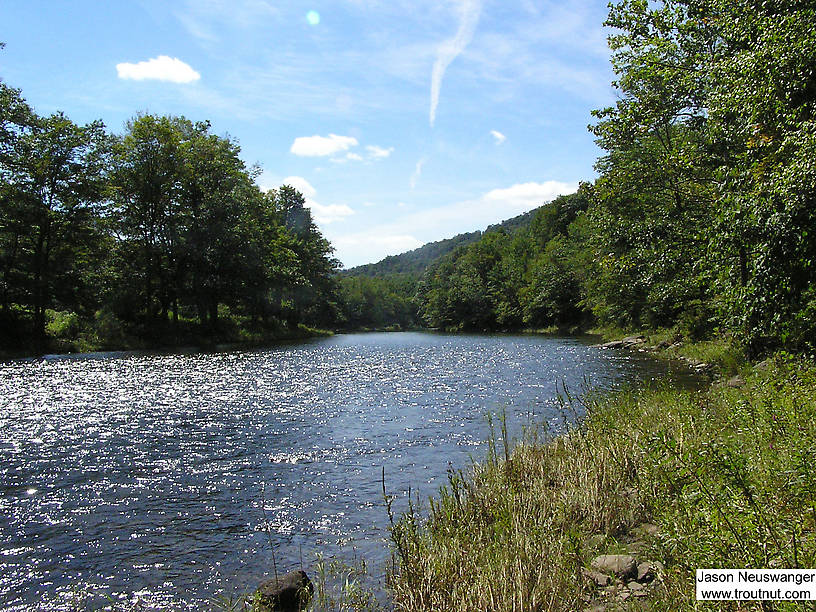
{"x":469,"y":18}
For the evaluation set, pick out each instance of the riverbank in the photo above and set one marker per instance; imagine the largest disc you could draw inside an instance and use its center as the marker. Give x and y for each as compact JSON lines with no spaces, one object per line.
{"x":230,"y":334}
{"x":675,"y":479}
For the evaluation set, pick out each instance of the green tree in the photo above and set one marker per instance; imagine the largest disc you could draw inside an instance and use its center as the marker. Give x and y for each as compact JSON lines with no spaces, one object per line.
{"x":53,"y":184}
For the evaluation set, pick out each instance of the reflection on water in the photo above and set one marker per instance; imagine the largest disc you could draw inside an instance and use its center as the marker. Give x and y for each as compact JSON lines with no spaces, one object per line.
{"x":148,"y":474}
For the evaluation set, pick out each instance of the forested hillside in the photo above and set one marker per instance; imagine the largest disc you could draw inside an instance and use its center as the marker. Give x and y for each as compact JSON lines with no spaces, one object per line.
{"x":415,"y":261}
{"x":387,"y":294}
{"x":155,"y":236}
{"x":703,"y":216}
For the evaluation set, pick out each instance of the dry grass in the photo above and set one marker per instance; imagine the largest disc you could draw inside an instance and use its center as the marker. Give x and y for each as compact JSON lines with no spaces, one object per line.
{"x":729,"y":475}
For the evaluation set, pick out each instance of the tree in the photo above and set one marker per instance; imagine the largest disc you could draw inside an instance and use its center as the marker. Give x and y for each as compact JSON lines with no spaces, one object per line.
{"x":54,"y":181}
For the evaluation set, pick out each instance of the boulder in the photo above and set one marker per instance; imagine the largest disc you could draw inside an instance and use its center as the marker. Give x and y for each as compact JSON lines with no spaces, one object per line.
{"x":288,"y":593}
{"x":648,"y":570}
{"x":628,"y":342}
{"x":613,"y":344}
{"x":633,"y":341}
{"x":597,"y":578}
{"x":623,"y":566}
{"x":736,"y":382}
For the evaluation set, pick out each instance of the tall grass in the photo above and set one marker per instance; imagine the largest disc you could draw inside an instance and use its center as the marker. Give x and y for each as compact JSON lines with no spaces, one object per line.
{"x":728,"y":475}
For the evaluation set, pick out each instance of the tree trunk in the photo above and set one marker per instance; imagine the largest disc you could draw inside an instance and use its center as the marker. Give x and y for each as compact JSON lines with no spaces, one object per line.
{"x":213,"y":314}
{"x":743,"y":265}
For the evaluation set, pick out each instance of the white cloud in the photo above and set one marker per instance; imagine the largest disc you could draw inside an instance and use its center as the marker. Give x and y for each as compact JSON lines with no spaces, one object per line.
{"x":328,"y":214}
{"x":444,"y":221}
{"x":355,"y":249}
{"x":417,"y":172}
{"x":498,"y":136}
{"x":524,"y":196}
{"x":469,"y":11}
{"x":323,"y":214}
{"x":375,"y":152}
{"x":301,"y":184}
{"x":162,"y":68}
{"x":321,"y":146}
{"x":350,"y":156}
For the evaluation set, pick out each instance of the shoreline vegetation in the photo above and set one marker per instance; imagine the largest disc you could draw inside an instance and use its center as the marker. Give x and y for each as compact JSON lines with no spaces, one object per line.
{"x":700,"y":223}
{"x":619,"y":511}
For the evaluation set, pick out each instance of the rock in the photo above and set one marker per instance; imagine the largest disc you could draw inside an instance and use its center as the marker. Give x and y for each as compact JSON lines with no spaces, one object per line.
{"x":288,"y":593}
{"x":763,"y":365}
{"x":623,"y":566}
{"x":597,"y":578}
{"x":635,"y":546}
{"x":635,"y":587}
{"x":613,"y":344}
{"x":649,"y":529}
{"x":628,"y":342}
{"x":736,"y":381}
{"x":648,"y":570}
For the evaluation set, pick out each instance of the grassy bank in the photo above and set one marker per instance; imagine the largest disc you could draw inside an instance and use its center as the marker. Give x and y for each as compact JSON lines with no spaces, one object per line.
{"x":722,"y":477}
{"x":66,"y":332}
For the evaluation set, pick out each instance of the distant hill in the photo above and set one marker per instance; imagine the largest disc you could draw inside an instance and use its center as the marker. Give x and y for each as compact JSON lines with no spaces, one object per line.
{"x":416,"y":261}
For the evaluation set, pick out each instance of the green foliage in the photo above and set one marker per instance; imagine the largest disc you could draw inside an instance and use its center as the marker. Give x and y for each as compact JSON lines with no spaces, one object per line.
{"x":414,"y":262}
{"x":726,"y":474}
{"x":63,"y":325}
{"x":704,"y":205}
{"x":378,"y":302}
{"x":161,"y":232}
{"x":509,"y":280}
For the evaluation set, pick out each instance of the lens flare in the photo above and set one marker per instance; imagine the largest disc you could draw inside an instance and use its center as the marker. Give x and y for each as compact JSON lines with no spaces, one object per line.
{"x":313,"y":17}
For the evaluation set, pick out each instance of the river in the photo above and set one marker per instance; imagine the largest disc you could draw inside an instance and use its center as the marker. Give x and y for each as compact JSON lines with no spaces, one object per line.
{"x":147,"y":475}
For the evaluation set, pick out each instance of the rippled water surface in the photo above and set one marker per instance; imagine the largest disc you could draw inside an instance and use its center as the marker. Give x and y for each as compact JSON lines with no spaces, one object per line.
{"x":146,"y":476}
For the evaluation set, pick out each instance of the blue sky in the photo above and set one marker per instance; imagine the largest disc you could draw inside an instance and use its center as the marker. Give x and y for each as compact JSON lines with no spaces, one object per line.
{"x":401,"y":121}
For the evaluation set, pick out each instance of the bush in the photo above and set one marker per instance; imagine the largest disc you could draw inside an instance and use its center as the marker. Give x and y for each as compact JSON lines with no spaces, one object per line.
{"x":62,"y":324}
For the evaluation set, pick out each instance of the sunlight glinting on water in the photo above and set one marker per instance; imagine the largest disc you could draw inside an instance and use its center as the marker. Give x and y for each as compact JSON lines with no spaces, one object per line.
{"x":149,"y":476}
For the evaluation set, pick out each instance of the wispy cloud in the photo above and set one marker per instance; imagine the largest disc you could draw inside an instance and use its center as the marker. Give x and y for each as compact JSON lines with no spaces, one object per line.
{"x":204,"y":18}
{"x":329,"y":214}
{"x":375,"y":152}
{"x":321,"y":146}
{"x":348,"y":157}
{"x":161,"y":68}
{"x":525,"y":196}
{"x":417,"y":172}
{"x":498,"y":136}
{"x":469,"y":11}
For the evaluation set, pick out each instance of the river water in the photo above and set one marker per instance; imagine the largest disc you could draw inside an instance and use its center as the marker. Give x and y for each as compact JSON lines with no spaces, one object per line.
{"x":150,"y":477}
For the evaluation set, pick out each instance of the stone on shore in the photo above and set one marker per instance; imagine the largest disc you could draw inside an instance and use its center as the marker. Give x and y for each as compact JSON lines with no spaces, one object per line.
{"x":628,"y":342}
{"x":623,"y":566}
{"x":288,"y":593}
{"x":598,"y":578}
{"x":648,"y":571}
